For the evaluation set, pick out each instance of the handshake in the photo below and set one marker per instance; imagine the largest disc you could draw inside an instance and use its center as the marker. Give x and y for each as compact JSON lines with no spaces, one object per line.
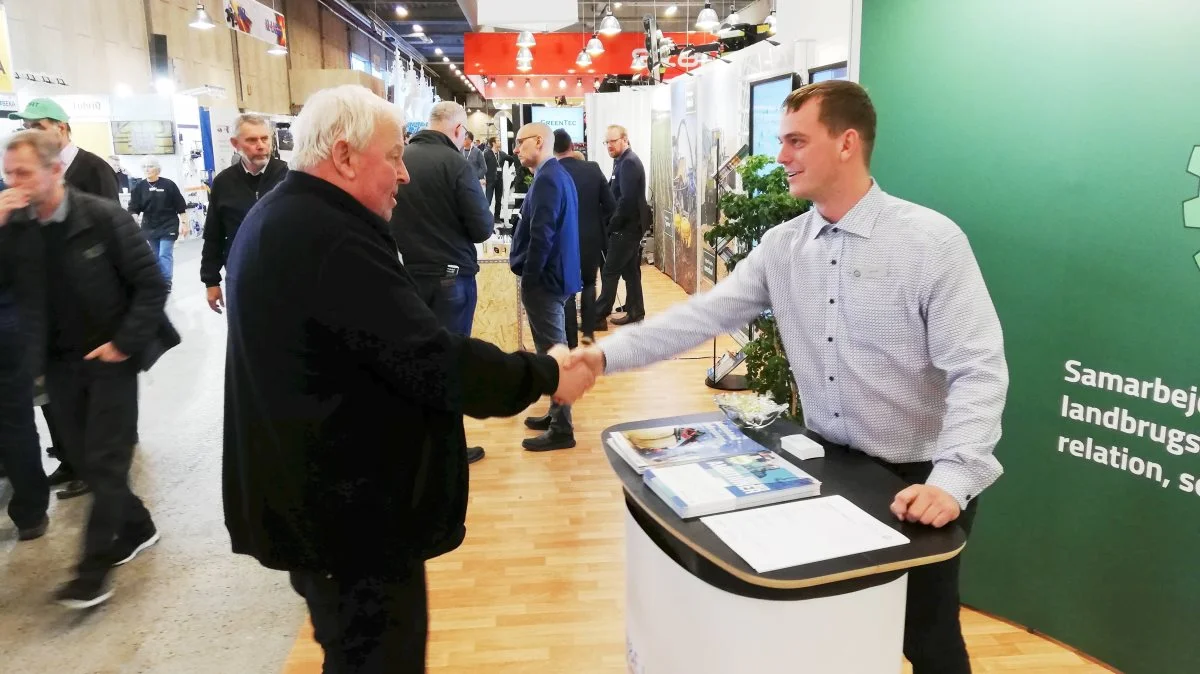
{"x":578,"y":371}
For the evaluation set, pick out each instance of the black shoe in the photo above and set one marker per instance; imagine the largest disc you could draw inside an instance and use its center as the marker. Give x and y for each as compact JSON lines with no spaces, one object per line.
{"x":549,"y":441}
{"x":74,"y":488}
{"x":541,"y":423}
{"x":83,"y":593}
{"x":61,"y":475}
{"x":601,"y":326}
{"x":628,"y":319}
{"x":128,"y":547}
{"x":474,"y":454}
{"x":36,"y":531}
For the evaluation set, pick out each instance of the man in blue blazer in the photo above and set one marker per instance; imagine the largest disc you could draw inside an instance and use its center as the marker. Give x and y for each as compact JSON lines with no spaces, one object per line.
{"x":545,"y":254}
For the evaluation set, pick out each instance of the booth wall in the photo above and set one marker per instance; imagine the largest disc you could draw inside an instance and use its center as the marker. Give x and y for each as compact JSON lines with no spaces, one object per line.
{"x":825,"y":26}
{"x":1060,"y":138}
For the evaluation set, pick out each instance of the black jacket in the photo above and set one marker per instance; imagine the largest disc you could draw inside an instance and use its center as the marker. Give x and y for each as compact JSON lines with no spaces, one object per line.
{"x":89,"y":173}
{"x":441,"y":213}
{"x":495,"y":163}
{"x":628,"y":186}
{"x":160,"y":204}
{"x":234,"y":192}
{"x":109,"y":268}
{"x":596,"y":208}
{"x":344,"y":397}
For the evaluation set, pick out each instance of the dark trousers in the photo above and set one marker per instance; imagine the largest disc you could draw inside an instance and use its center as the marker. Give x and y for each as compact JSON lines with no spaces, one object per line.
{"x":495,"y":190}
{"x":20,"y":452}
{"x":587,"y":304}
{"x":452,"y":299}
{"x":933,"y":640}
{"x":368,"y":625}
{"x":624,"y":261}
{"x":95,"y":405}
{"x":56,"y":440}
{"x":547,"y":322}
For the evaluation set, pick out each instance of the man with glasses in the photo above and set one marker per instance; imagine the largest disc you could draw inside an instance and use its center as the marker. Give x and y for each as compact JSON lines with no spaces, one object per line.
{"x":439,"y":217}
{"x":545,"y":254}
{"x":628,"y":184}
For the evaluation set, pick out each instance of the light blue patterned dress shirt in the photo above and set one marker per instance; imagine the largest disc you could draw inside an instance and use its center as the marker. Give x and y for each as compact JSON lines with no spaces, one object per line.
{"x":889,"y":328}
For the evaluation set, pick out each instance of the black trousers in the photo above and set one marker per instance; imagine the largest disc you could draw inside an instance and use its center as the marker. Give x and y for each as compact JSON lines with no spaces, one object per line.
{"x":590,"y":266}
{"x":933,"y":640}
{"x":368,"y":625}
{"x":624,"y":261}
{"x":20,"y":452}
{"x":494,"y":189}
{"x":95,"y":405}
{"x":56,"y":440}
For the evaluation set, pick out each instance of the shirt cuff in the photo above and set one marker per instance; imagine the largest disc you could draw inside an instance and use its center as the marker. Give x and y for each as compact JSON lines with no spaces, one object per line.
{"x":957,"y":481}
{"x":618,"y":354}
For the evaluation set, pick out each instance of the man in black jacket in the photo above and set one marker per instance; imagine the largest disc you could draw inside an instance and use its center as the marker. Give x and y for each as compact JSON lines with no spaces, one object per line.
{"x":234,"y":192}
{"x":345,"y":456}
{"x":92,"y":299}
{"x":495,"y":159}
{"x":85,"y":171}
{"x":624,"y":257}
{"x":439,"y":217}
{"x":596,"y":208}
{"x":161,"y":205}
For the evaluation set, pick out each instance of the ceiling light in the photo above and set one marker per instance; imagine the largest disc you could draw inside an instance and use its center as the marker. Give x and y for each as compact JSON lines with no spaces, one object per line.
{"x":545,"y":83}
{"x":639,"y":63}
{"x":527,"y":82}
{"x":524,"y":66}
{"x":670,"y":11}
{"x":417,"y":28}
{"x":454,"y":67}
{"x":277,"y":50}
{"x":707,"y":19}
{"x":445,"y":59}
{"x":202,"y":21}
{"x":609,"y":24}
{"x":438,"y":51}
{"x":165,"y":86}
{"x":524,"y":54}
{"x":596,"y":83}
{"x":594,"y":46}
{"x":617,"y":5}
{"x":401,"y":11}
{"x":583,"y":60}
{"x":525,"y":39}
{"x":493,"y":83}
{"x":510,"y":83}
{"x":579,"y":82}
{"x":771,"y":21}
{"x":734,"y":18}
{"x":562,"y":84}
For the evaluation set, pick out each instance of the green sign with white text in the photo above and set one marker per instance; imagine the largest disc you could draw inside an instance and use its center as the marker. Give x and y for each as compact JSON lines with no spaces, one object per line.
{"x":1063,"y":137}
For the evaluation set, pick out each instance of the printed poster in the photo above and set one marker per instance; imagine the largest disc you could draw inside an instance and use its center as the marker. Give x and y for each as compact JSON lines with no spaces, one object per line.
{"x":256,"y":20}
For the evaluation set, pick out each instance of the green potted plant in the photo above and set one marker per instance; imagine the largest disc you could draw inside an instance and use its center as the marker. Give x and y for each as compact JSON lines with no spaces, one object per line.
{"x":762,"y":203}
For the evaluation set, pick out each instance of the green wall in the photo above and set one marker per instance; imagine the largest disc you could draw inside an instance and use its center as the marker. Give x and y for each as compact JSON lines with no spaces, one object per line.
{"x":1059,"y":134}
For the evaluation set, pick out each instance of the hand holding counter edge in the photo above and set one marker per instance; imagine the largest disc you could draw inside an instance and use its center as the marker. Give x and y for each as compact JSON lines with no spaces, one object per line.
{"x":892,"y":337}
{"x":344,"y":450}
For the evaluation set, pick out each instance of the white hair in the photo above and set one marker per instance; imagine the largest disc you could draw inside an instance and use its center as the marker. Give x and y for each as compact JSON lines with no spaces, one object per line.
{"x":447,"y":112}
{"x":249,"y":118}
{"x":349,"y":112}
{"x":151,"y":162}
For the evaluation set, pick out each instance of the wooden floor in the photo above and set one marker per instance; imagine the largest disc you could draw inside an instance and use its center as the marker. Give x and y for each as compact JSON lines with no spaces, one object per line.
{"x":538,"y":586}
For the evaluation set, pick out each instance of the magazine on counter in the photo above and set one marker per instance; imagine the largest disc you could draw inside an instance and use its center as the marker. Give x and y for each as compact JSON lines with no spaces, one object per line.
{"x":684,"y":443}
{"x":714,"y":486}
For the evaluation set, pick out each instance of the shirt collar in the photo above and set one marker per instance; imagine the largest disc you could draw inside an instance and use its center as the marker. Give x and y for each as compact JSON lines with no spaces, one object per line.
{"x":68,"y":155}
{"x":545,"y":161}
{"x":859,"y":220}
{"x":253,"y":173}
{"x":59,"y":214}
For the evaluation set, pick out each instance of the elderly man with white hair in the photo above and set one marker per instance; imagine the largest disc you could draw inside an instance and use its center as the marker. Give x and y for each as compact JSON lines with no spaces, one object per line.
{"x":345,"y":457}
{"x":162,"y":206}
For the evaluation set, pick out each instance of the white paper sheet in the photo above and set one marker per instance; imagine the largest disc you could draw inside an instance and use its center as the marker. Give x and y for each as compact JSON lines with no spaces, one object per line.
{"x":801,"y":532}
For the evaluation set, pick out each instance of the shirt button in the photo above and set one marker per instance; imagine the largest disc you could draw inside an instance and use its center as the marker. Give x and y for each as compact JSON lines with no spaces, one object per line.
{"x":833,"y":262}
{"x":857,"y":273}
{"x":831,"y":300}
{"x":831,"y":379}
{"x":836,"y":414}
{"x":831,"y":339}
{"x":835,"y":230}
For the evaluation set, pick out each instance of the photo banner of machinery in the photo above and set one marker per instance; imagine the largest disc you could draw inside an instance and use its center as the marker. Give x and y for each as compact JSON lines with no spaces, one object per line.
{"x":256,"y":20}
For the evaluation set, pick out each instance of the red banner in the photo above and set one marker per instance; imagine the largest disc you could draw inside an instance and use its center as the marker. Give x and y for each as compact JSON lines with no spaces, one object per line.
{"x":495,"y":54}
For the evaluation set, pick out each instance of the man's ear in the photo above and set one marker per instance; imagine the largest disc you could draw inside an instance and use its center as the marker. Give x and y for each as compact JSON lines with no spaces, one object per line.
{"x":343,"y":159}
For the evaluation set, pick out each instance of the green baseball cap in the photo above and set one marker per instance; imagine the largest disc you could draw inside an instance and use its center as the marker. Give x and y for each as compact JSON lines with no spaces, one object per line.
{"x":42,"y":108}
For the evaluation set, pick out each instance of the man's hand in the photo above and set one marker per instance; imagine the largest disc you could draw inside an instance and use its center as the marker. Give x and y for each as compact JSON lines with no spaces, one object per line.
{"x":215,"y":299}
{"x":107,"y":353}
{"x":12,"y":199}
{"x":573,"y":379}
{"x":926,"y":504}
{"x":591,"y":357}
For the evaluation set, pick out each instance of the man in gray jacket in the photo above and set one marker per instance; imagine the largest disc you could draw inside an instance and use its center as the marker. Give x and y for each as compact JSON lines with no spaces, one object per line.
{"x":474,"y":155}
{"x":439,"y":217}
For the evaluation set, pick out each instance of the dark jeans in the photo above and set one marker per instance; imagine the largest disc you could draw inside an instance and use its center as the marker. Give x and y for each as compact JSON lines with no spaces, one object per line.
{"x":624,"y":261}
{"x":20,"y":451}
{"x":587,"y":300}
{"x":452,"y":300}
{"x":95,"y":405}
{"x":547,"y":322}
{"x":368,"y":625}
{"x":495,"y":190}
{"x":933,"y":640}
